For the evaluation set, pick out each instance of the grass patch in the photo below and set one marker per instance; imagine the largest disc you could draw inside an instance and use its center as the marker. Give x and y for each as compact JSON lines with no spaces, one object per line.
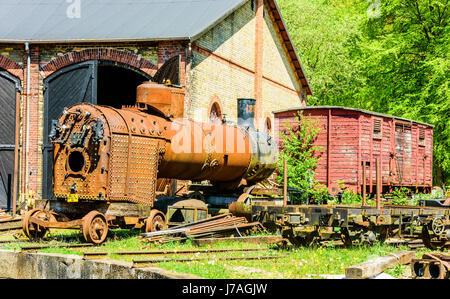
{"x":295,"y":263}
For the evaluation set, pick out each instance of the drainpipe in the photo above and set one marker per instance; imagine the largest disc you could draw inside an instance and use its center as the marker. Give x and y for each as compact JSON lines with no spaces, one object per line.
{"x":27,"y":142}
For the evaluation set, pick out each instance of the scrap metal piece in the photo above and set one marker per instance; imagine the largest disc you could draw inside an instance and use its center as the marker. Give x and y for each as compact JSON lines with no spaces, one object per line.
{"x":432,"y":266}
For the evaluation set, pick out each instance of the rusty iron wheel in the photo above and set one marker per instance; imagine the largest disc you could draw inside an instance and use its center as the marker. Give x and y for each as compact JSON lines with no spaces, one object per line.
{"x":438,"y":226}
{"x":429,"y":242}
{"x":155,"y":222}
{"x":34,"y":231}
{"x":95,"y":227}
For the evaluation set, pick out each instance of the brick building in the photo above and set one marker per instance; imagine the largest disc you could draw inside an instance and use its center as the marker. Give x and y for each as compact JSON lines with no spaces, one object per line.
{"x":56,"y":53}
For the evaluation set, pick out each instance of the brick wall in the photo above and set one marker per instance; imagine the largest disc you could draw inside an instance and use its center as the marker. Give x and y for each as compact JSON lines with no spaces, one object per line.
{"x":48,"y":58}
{"x":146,"y":51}
{"x":224,"y":66}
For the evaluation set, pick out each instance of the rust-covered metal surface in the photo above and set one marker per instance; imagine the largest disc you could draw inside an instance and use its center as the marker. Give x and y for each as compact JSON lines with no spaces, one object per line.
{"x":433,"y":265}
{"x":353,"y":138}
{"x":102,"y":153}
{"x":117,"y":155}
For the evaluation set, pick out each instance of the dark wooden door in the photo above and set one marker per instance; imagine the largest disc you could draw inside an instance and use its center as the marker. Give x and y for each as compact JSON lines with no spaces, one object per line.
{"x":63,"y":89}
{"x":9,"y":87}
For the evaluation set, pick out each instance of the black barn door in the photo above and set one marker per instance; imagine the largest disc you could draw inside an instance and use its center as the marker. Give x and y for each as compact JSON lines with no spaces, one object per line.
{"x":9,"y":87}
{"x":63,"y":89}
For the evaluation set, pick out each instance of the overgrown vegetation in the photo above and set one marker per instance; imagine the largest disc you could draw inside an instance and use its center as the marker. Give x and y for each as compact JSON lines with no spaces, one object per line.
{"x":402,"y":197}
{"x":389,"y":56}
{"x":298,"y":149}
{"x":296,"y":263}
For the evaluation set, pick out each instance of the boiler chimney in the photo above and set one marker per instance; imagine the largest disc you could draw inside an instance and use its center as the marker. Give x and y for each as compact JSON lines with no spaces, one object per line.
{"x":246,"y":112}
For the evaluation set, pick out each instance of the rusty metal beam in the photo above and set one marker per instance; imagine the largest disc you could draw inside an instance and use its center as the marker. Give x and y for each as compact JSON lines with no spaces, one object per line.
{"x":364,"y":191}
{"x":55,"y":224}
{"x":378,"y":181}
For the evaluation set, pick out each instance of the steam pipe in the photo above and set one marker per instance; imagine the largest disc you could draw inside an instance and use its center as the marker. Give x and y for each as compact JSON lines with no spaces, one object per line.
{"x":27,"y":141}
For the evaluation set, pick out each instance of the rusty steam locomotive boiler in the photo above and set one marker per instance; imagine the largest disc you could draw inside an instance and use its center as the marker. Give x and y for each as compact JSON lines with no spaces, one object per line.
{"x":107,"y":162}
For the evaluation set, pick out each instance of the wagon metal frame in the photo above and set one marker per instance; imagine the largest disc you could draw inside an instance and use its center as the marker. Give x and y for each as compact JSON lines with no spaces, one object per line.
{"x":304,"y":225}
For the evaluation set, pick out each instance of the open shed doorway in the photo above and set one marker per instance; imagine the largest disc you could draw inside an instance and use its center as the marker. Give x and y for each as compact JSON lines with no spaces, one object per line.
{"x":117,"y":84}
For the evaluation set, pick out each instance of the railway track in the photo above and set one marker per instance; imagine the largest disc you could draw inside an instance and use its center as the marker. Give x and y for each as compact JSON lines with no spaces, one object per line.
{"x":168,"y":252}
{"x":39,"y":247}
{"x":151,"y":262}
{"x":195,"y":255}
{"x":13,"y":241}
{"x":8,"y":224}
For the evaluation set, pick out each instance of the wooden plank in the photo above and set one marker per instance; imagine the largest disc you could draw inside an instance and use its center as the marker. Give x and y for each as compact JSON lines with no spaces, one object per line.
{"x":379,"y":265}
{"x":166,"y":232}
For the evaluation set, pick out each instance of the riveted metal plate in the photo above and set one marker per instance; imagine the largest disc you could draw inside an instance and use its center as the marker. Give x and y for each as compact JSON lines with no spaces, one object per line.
{"x":118,"y":167}
{"x":133,"y":177}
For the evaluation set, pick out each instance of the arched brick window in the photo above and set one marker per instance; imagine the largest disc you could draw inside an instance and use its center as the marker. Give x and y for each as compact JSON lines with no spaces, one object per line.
{"x":215,"y":114}
{"x":268,"y":126}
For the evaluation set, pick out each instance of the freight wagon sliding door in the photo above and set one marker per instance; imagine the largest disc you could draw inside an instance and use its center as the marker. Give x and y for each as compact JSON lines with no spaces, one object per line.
{"x":63,"y":89}
{"x":9,"y":88}
{"x":403,"y":153}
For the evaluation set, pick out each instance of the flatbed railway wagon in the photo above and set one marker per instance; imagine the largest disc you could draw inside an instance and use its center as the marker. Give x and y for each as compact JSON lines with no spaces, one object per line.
{"x":352,"y":140}
{"x":303,"y":225}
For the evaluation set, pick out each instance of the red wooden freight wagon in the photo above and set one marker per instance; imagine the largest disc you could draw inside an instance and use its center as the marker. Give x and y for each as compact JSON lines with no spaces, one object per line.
{"x":350,"y":137}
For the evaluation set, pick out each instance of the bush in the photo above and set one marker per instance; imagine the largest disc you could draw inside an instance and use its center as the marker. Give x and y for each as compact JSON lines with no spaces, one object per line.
{"x":298,"y":149}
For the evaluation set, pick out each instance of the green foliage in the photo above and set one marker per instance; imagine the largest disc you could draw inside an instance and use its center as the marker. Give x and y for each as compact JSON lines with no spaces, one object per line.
{"x":396,"y":62}
{"x":298,"y":149}
{"x":350,"y":198}
{"x":320,"y":30}
{"x":347,"y":196}
{"x":436,"y":194}
{"x":401,"y":197}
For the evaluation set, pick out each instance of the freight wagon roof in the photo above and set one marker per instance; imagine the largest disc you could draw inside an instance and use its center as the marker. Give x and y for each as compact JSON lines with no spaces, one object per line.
{"x":352,"y":109}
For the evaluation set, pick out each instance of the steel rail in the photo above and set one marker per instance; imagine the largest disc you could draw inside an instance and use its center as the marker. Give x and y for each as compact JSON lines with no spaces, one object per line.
{"x":171,"y":252}
{"x":37,"y":247}
{"x":165,"y":260}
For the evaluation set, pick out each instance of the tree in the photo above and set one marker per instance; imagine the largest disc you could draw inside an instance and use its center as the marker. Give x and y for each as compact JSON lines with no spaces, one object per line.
{"x":405,"y":61}
{"x":394,"y":61}
{"x":298,"y":149}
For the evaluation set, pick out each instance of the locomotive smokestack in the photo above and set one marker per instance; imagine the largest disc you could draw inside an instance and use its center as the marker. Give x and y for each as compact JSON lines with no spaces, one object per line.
{"x":246,"y":112}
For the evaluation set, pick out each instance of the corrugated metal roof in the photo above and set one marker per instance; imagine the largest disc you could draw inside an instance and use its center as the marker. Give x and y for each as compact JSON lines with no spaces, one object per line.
{"x":109,"y":20}
{"x":352,"y":109}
